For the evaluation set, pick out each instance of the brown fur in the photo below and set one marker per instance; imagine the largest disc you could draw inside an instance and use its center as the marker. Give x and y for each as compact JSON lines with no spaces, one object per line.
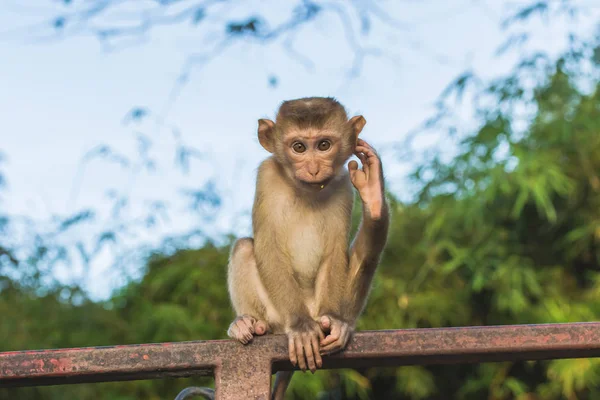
{"x":298,"y":268}
{"x":311,"y":112}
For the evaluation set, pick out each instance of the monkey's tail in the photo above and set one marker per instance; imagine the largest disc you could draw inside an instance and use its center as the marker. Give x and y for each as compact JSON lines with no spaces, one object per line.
{"x":192,"y":391}
{"x":282,"y":381}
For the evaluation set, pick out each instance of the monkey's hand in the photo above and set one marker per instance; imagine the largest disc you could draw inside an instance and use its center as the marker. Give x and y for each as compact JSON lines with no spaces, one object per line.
{"x":368,"y":180}
{"x":338,"y":334}
{"x":303,"y":344}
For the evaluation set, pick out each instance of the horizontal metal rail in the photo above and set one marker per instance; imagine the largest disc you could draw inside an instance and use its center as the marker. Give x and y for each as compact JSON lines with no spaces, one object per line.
{"x":244,"y":372}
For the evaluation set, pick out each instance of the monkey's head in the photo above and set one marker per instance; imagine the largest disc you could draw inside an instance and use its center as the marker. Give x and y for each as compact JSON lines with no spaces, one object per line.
{"x":311,"y":139}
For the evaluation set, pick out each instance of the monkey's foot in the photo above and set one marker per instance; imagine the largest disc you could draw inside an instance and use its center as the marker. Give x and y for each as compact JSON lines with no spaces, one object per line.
{"x":338,"y":334}
{"x":244,"y":327}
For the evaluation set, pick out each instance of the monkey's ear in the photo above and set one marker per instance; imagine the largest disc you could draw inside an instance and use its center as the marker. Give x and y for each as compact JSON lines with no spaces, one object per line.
{"x":266,"y":130}
{"x":358,"y":123}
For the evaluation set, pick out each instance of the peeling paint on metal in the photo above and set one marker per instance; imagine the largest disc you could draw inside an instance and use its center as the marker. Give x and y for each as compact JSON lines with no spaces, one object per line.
{"x":244,"y":372}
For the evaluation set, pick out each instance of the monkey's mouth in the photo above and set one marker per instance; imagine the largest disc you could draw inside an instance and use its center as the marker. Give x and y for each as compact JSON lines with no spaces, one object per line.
{"x":317,"y":185}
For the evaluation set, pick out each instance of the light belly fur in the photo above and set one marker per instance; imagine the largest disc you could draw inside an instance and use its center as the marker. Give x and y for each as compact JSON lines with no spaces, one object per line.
{"x":305,"y":246}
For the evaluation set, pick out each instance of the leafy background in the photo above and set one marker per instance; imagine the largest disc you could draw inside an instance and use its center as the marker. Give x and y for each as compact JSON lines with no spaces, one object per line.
{"x":506,"y":230}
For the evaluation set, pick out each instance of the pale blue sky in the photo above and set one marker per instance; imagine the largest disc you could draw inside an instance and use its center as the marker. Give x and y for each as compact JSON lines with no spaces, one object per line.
{"x":59,"y":99}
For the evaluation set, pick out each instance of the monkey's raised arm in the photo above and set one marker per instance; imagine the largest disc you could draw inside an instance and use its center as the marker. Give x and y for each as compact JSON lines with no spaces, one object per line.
{"x":365,"y":253}
{"x":371,"y":237}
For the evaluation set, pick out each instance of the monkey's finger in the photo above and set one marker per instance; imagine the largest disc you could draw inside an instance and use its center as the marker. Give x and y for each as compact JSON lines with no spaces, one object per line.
{"x":364,"y":162}
{"x":331,"y":348}
{"x":300,"y":353}
{"x":336,"y":346}
{"x":372,"y":166}
{"x":359,"y":153}
{"x":235,"y":333}
{"x":371,"y":156}
{"x":331,"y":338}
{"x":243,"y":329}
{"x":325,"y":323}
{"x":308,"y":351}
{"x":315,"y":349}
{"x":368,"y":150}
{"x":260,"y":328}
{"x":356,"y":176}
{"x":363,"y":143}
{"x":363,"y":159}
{"x":321,"y":335}
{"x":333,"y":335}
{"x":292,"y":351}
{"x":249,"y":321}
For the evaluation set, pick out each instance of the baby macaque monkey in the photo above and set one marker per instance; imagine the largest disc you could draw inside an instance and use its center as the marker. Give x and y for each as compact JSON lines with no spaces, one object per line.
{"x":298,"y":275}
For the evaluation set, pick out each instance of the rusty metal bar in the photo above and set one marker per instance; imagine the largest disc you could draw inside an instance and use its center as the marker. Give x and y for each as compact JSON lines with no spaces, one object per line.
{"x":244,"y":372}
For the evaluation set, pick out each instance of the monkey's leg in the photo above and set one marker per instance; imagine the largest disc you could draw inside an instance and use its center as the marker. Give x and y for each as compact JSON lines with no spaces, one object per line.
{"x":244,"y":290}
{"x":332,"y":301}
{"x":250,"y":302}
{"x":358,"y":278}
{"x":365,"y":253}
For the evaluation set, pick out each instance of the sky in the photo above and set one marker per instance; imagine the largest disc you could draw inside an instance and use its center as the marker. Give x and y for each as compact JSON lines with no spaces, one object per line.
{"x":61,"y":98}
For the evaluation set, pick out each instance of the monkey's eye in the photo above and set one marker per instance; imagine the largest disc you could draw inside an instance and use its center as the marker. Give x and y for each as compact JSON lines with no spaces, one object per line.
{"x":298,"y":147}
{"x":324,"y":145}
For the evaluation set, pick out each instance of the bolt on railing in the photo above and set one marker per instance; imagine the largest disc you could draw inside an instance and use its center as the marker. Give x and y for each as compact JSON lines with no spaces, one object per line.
{"x":244,"y":372}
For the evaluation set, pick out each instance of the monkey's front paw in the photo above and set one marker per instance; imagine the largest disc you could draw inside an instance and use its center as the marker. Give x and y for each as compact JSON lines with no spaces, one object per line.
{"x":338,"y":334}
{"x":303,"y":344}
{"x":244,"y":327}
{"x":368,"y":180}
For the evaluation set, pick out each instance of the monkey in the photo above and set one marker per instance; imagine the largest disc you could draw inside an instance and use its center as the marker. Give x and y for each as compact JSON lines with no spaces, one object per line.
{"x":299,"y":274}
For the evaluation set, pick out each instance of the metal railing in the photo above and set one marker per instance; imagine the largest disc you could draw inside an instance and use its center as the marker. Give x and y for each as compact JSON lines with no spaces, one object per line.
{"x":244,"y":372}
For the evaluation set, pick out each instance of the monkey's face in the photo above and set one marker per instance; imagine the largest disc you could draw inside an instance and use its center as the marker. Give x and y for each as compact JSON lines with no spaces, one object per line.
{"x":314,"y":157}
{"x":311,"y":140}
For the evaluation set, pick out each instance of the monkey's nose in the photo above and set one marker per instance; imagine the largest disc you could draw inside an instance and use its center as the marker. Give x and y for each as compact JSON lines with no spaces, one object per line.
{"x":313,"y":170}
